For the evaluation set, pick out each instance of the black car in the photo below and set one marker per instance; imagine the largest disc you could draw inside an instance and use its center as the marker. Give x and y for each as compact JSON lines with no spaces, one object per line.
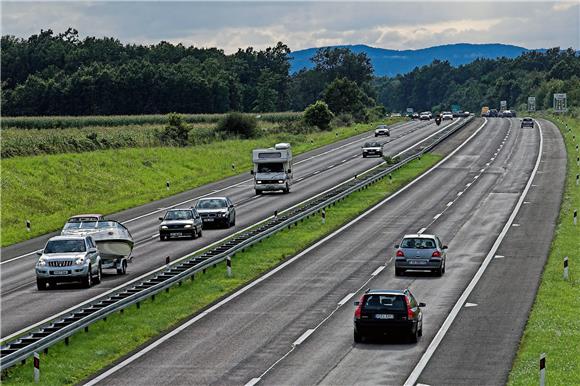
{"x":217,"y":210}
{"x":388,"y":312}
{"x":527,"y":122}
{"x":180,"y":222}
{"x":493,"y":113}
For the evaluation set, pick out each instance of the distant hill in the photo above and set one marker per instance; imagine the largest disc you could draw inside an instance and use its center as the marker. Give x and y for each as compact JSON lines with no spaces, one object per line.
{"x":393,"y":62}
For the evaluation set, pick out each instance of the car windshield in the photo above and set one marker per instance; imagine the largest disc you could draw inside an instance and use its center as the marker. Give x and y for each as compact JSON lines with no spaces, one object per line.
{"x":418,"y":243}
{"x":178,"y":215}
{"x":64,"y":246}
{"x":381,"y":127}
{"x":274,"y":167}
{"x":214,"y":203}
{"x":107,"y":224}
{"x":81,"y":225}
{"x":385,"y":302}
{"x":372,"y":144}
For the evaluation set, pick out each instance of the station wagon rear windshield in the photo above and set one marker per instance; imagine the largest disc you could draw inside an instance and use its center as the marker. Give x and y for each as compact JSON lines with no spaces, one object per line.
{"x":65,"y":246}
{"x":385,"y":302}
{"x":179,"y":215}
{"x":80,"y":225}
{"x":419,"y":243}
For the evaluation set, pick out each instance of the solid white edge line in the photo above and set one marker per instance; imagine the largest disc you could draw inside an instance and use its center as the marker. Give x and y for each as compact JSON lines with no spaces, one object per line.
{"x":283,"y":265}
{"x":346,"y":299}
{"x":253,"y":381}
{"x":222,"y":189}
{"x":303,"y":337}
{"x":378,"y":270}
{"x":437,"y":216}
{"x":421,"y":230}
{"x":416,"y":373}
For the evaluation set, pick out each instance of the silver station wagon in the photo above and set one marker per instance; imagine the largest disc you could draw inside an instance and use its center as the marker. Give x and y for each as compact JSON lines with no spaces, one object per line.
{"x":420,"y":252}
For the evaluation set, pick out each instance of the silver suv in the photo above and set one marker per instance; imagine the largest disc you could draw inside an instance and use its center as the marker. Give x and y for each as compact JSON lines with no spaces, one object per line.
{"x":382,"y":130}
{"x":66,"y":259}
{"x":421,"y":252}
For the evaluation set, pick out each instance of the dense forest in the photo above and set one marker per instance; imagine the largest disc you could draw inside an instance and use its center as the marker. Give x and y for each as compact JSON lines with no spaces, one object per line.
{"x":61,"y":74}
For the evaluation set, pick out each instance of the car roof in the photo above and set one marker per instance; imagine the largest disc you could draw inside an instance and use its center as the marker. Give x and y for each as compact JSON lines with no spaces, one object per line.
{"x":213,"y":198}
{"x":71,"y":237}
{"x":172,"y":209}
{"x":385,"y":292}
{"x":86,"y":215}
{"x":419,"y":235}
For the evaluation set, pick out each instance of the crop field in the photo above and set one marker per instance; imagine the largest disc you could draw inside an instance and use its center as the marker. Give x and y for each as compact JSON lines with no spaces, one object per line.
{"x":61,"y":122}
{"x":47,"y":189}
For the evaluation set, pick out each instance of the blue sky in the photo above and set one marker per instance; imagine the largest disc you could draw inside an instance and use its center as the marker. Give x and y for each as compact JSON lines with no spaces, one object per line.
{"x":304,"y":24}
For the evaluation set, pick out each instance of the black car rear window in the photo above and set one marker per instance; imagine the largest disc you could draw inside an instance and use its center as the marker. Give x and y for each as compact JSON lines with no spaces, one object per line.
{"x":418,"y":243}
{"x":385,"y":302}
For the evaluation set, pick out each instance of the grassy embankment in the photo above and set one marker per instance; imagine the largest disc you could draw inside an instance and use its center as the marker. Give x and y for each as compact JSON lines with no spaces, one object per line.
{"x":554,"y":326}
{"x":106,"y":342}
{"x":47,"y":189}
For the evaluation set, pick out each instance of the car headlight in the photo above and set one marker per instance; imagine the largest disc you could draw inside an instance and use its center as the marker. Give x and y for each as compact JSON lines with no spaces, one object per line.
{"x":80,"y":261}
{"x":258,"y":182}
{"x":41,"y":262}
{"x":280,"y":181}
{"x":163,"y":226}
{"x":187,"y":226}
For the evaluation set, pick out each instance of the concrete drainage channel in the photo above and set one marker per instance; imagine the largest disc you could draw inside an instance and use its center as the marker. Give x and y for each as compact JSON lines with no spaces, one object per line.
{"x":42,"y":337}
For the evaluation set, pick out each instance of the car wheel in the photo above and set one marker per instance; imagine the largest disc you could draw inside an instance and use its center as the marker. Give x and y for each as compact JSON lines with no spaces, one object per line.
{"x":358,"y":338}
{"x":162,"y":237}
{"x":414,"y":336}
{"x":258,"y":192}
{"x":443,"y":267}
{"x":376,"y":135}
{"x":99,"y":276}
{"x":234,"y":222}
{"x":88,"y":280}
{"x":200,"y":232}
{"x":439,"y":271}
{"x":41,"y":284}
{"x":364,"y":156}
{"x":123,"y":269}
{"x":399,"y":271}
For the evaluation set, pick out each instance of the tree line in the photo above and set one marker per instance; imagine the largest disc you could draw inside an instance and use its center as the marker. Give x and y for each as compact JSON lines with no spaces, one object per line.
{"x":61,"y":74}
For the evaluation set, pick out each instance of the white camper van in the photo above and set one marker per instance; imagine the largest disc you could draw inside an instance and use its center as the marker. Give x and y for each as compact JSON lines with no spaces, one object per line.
{"x":272,"y":168}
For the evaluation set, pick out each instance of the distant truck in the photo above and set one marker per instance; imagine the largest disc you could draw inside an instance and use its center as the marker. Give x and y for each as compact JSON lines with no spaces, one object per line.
{"x":484,"y":111}
{"x":272,"y":168}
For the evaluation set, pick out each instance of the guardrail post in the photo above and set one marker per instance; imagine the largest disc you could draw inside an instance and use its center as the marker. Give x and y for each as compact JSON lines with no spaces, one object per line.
{"x":566,"y":273}
{"x":229,"y":265}
{"x":323,"y":214}
{"x":66,"y":341}
{"x":390,"y":178}
{"x":36,"y":367}
{"x":542,"y":369}
{"x":86,"y":328}
{"x":167,"y":260}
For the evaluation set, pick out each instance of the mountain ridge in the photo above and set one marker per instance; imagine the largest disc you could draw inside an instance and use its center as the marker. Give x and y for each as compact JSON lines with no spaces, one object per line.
{"x":387,"y":62}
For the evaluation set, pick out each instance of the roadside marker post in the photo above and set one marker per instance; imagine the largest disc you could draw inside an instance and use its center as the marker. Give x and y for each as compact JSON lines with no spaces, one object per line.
{"x":566,"y":273}
{"x":575,"y":217}
{"x":167,"y":260}
{"x":543,"y":369}
{"x":167,"y":184}
{"x":27,"y":225}
{"x":233,"y":166}
{"x":323,"y":214}
{"x":229,"y":265}
{"x":275,"y":215}
{"x":36,"y":367}
{"x":390,"y":178}
{"x":577,"y":179}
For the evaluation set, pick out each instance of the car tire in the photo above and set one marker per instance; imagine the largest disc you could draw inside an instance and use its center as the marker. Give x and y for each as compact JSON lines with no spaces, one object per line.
{"x":364,"y":156}
{"x":200,"y":231}
{"x":286,"y":190}
{"x":99,"y":276}
{"x":162,"y":237}
{"x":376,"y":135}
{"x":414,"y":336}
{"x":41,"y":284}
{"x":234,"y":221}
{"x":88,"y":280}
{"x":258,"y":192}
{"x":399,"y":271}
{"x":358,"y":338}
{"x":420,"y":333}
{"x":123,"y":269}
{"x":444,"y":266}
{"x":439,"y":271}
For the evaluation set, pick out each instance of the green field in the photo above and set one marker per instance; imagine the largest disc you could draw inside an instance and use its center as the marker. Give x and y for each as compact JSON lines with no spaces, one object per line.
{"x":48,"y":189}
{"x":106,"y":342}
{"x":554,"y":326}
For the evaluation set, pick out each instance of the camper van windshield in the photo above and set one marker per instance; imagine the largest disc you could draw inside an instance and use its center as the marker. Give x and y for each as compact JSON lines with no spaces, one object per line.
{"x":271,"y":168}
{"x":270,"y":155}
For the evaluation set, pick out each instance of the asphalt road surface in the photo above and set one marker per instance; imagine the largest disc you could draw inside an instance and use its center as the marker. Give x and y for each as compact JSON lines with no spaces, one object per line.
{"x":314,"y":172}
{"x":294,"y":325}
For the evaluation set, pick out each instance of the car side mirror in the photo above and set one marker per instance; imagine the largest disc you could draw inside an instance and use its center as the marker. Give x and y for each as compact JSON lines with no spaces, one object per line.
{"x":251,"y":172}
{"x":39,"y":253}
{"x":231,"y":206}
{"x":422,"y":305}
{"x":289,"y":171}
{"x":397,"y":246}
{"x":92,"y":250}
{"x":357,"y":303}
{"x":160,"y":218}
{"x":444,"y":247}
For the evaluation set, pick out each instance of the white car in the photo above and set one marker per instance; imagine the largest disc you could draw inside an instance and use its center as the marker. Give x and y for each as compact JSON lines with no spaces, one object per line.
{"x":446,"y":115}
{"x":425,"y":116}
{"x":372,"y":148}
{"x":382,"y":130}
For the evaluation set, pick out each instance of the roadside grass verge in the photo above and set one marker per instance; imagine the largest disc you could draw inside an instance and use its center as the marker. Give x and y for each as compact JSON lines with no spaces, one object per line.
{"x":554,"y":326}
{"x":48,"y":189}
{"x":121,"y":334}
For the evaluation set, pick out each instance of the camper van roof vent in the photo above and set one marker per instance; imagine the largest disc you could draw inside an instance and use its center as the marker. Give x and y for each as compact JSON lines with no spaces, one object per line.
{"x":282,"y":146}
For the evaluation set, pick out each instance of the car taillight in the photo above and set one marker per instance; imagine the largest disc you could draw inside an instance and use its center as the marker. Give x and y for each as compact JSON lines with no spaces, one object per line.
{"x":436,"y":254}
{"x":358,"y":310}
{"x":410,"y":313}
{"x":400,"y":253}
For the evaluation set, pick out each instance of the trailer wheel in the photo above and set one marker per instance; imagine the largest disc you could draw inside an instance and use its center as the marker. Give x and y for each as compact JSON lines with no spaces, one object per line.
{"x":122,"y":270}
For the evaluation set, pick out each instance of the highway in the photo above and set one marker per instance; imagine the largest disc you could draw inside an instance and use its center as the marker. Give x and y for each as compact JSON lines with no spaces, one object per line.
{"x":314,"y":172}
{"x":494,"y":200}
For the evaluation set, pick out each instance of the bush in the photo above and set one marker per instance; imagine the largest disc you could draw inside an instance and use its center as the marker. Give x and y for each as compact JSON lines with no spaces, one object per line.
{"x":376,"y":113}
{"x":319,"y":115}
{"x":176,"y":133}
{"x":343,"y":120}
{"x":239,"y":125}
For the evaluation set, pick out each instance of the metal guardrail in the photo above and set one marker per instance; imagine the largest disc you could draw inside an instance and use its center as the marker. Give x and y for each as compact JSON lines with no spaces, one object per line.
{"x":61,"y":328}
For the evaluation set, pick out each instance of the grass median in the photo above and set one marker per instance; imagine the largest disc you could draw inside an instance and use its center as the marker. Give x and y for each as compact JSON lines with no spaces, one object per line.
{"x":48,"y":189}
{"x":108,"y":341}
{"x":553,"y":326}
